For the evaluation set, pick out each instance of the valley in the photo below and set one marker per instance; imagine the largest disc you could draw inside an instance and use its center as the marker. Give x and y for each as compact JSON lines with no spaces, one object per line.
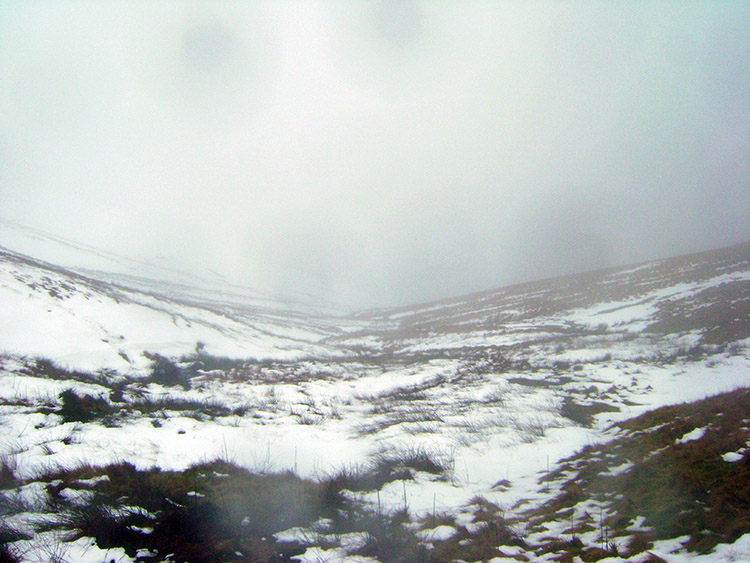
{"x":145,"y":422}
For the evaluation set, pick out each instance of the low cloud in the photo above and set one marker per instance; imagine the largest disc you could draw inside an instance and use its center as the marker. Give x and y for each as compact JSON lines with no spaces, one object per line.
{"x":378,"y":153}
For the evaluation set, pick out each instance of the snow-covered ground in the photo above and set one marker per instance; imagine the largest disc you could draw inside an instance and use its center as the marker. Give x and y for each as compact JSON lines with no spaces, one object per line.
{"x":83,"y":323}
{"x":485,"y":384}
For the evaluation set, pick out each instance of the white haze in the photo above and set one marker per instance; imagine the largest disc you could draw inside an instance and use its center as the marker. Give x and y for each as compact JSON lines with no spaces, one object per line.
{"x":378,"y":152}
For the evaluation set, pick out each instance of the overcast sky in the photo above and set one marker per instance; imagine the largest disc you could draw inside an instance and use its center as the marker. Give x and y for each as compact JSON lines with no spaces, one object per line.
{"x":381,"y":152}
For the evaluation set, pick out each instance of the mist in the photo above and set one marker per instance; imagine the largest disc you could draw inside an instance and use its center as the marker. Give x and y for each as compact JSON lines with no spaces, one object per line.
{"x":378,"y":153}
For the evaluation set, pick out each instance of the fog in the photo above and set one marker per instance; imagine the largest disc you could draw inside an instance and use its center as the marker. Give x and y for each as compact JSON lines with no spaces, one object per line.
{"x":378,"y":153}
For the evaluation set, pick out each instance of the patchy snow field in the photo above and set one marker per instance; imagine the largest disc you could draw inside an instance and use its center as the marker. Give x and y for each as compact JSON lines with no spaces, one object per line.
{"x":498,"y":388}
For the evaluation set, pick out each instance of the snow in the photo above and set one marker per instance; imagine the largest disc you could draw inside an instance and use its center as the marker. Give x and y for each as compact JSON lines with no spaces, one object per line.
{"x":499,"y":338}
{"x":488,"y":422}
{"x":638,"y":525}
{"x":439,"y":533}
{"x":615,"y":314}
{"x":50,"y":546}
{"x":673,"y":551}
{"x":619,"y":470}
{"x":693,"y":435}
{"x":499,"y":447}
{"x":637,"y":313}
{"x":732,"y":457}
{"x":83,"y":325}
{"x":316,"y":555}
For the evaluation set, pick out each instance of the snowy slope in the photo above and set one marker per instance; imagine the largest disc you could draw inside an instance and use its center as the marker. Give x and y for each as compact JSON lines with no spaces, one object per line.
{"x":501,"y":386}
{"x":706,"y":293}
{"x":85,"y":323}
{"x":151,"y":276}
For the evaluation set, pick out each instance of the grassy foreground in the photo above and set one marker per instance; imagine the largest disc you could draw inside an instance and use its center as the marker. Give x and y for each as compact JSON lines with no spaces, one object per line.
{"x":682,"y":470}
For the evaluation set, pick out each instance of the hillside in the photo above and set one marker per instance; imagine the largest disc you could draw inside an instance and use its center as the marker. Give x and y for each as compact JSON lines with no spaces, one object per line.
{"x":147,"y":423}
{"x":705,"y":292}
{"x":86,"y":322}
